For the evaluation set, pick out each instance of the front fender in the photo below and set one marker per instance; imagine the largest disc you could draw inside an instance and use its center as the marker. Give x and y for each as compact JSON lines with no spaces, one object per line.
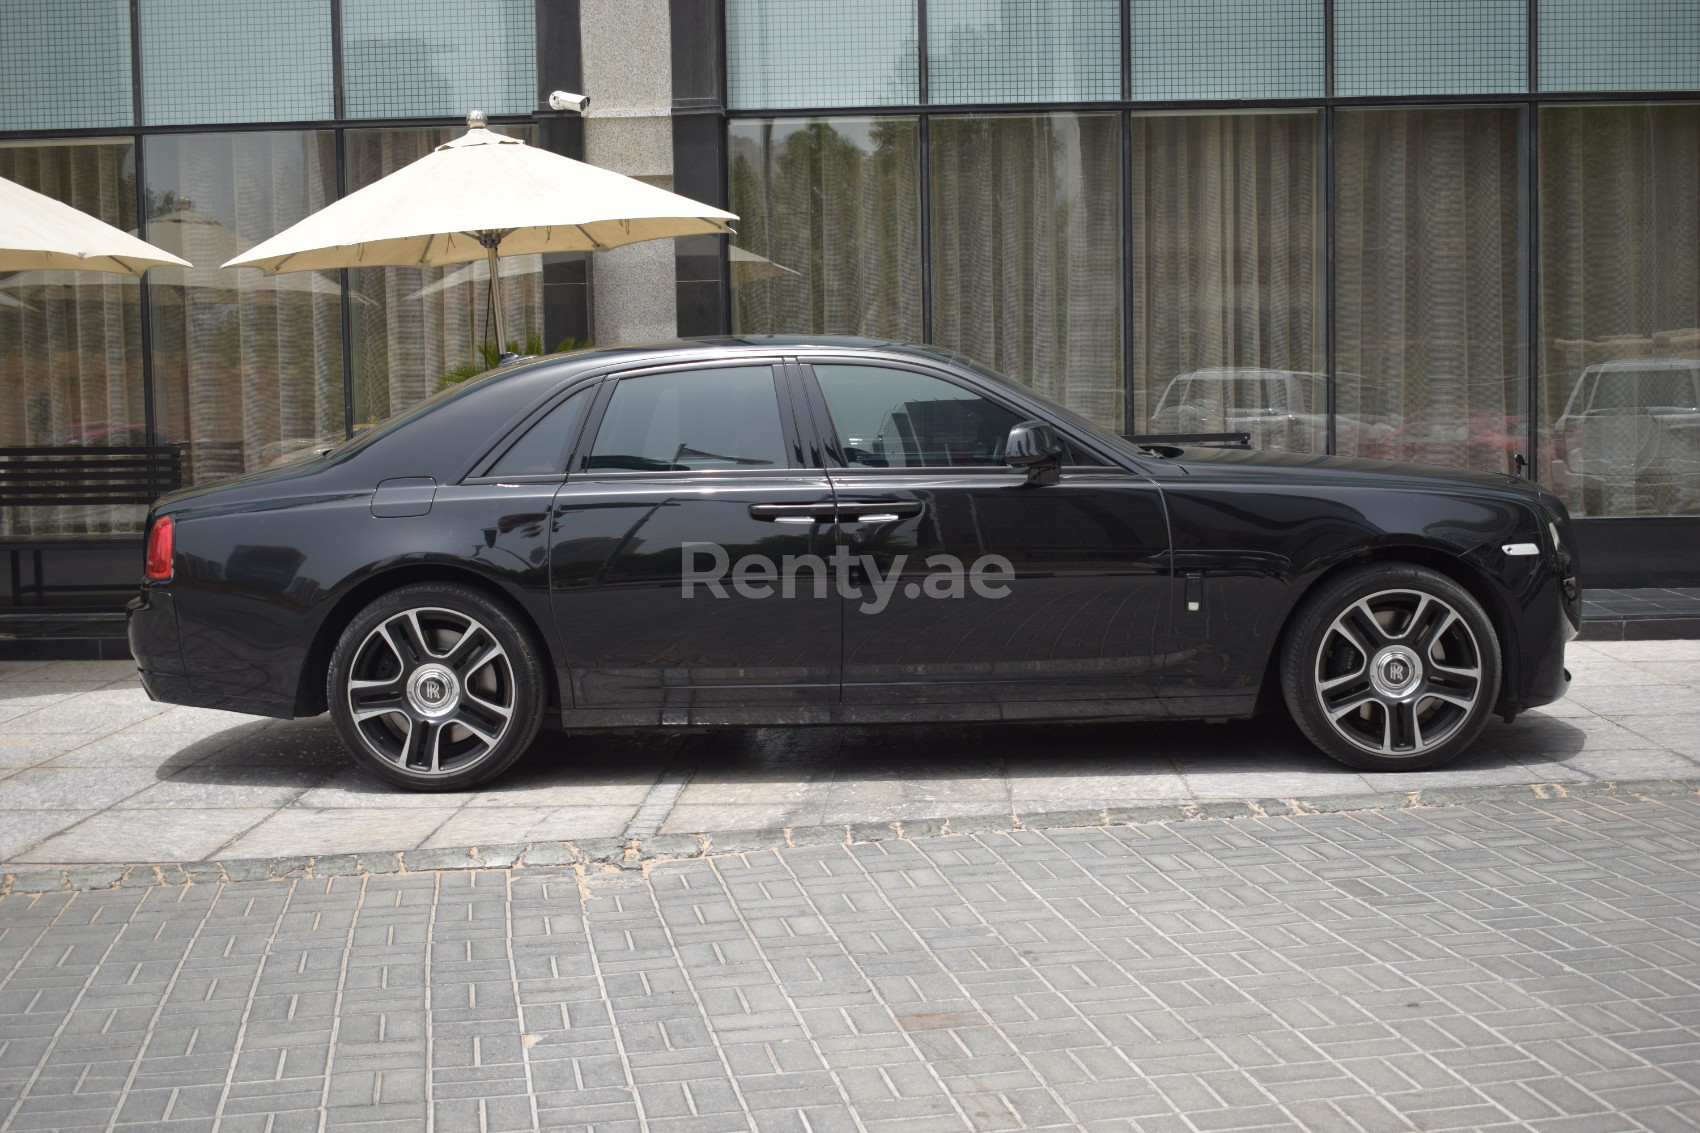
{"x":1251,"y":551}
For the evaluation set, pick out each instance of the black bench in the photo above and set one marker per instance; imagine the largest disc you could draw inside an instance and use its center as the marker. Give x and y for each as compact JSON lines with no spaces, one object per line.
{"x":72,"y":475}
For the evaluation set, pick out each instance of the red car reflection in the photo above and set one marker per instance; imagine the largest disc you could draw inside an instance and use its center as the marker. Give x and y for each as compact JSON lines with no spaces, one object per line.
{"x":90,"y":434}
{"x":1489,"y":442}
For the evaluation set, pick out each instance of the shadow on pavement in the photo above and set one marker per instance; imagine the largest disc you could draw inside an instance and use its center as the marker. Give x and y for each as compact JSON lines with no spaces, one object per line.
{"x":307,"y":753}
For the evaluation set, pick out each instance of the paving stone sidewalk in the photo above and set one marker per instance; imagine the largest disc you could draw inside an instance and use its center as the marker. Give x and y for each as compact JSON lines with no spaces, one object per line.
{"x":1527,"y":965}
{"x":91,"y":771}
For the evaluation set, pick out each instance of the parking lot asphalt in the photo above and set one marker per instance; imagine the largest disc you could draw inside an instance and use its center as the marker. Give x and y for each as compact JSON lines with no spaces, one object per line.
{"x":1526,"y":964}
{"x":93,"y":772}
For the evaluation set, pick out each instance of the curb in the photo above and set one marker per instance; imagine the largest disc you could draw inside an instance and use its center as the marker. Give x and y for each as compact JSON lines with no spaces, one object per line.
{"x":1674,"y":627}
{"x":638,"y":853}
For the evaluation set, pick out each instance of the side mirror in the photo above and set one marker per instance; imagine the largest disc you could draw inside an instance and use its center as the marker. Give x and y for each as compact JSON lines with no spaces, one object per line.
{"x":1033,"y":445}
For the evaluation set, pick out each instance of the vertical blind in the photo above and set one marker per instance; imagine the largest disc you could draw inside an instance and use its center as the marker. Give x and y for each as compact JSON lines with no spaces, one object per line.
{"x":1428,"y":292}
{"x":1620,"y":306}
{"x":829,"y":236}
{"x":248,"y":367}
{"x":1026,"y":225}
{"x":1227,"y":269}
{"x":70,"y":341}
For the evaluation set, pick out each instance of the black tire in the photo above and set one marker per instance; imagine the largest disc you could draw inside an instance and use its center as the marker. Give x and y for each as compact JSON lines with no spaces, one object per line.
{"x":1391,"y":667}
{"x":436,"y":687}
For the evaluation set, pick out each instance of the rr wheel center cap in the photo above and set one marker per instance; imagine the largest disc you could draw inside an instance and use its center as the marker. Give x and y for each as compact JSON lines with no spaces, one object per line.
{"x":433,"y":691}
{"x":1395,"y":672}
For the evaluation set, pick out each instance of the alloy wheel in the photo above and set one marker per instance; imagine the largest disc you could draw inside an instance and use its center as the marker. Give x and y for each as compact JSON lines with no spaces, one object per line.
{"x":1398,"y":672}
{"x":431,"y":690}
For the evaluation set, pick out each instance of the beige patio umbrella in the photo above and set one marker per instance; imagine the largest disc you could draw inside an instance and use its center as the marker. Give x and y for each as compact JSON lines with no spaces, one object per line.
{"x":481,"y":196}
{"x":748,"y":267}
{"x":40,"y":233}
{"x":511,"y":267}
{"x":204,"y":243}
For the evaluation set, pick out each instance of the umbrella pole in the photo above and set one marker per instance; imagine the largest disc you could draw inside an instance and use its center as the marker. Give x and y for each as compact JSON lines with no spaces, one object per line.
{"x":496,"y":302}
{"x":490,"y":240}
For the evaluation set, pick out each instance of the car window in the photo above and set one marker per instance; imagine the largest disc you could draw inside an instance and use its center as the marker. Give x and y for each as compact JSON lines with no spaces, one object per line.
{"x":1640,"y":389}
{"x":692,"y":420}
{"x":1230,"y":392}
{"x":543,"y":447}
{"x":899,"y":419}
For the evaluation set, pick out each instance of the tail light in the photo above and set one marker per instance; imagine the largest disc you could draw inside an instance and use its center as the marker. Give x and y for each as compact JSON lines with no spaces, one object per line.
{"x":159,"y":549}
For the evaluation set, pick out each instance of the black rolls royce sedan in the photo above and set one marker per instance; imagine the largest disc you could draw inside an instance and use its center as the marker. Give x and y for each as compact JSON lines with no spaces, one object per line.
{"x":830,"y":530}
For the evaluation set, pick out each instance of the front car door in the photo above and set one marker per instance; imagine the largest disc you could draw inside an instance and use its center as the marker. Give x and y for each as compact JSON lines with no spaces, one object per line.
{"x":967,"y":585}
{"x":685,"y":503}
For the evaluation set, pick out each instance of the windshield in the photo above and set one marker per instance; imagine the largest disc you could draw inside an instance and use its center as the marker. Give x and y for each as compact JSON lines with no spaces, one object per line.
{"x":1240,"y":391}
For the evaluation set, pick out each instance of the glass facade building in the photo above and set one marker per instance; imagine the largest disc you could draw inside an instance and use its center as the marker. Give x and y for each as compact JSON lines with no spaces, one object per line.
{"x":226,"y":125}
{"x":1462,"y":232}
{"x":1459,"y":232}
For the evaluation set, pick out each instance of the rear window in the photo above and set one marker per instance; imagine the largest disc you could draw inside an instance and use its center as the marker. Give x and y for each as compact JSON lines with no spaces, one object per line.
{"x":389,"y":424}
{"x":543,"y":448}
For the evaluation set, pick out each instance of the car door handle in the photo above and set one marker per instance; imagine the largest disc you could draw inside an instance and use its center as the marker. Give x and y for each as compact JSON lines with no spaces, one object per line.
{"x":794,"y":513}
{"x":884,"y":511}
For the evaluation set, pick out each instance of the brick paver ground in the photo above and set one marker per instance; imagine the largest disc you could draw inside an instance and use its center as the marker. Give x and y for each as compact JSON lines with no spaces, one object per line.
{"x":1527,"y":964}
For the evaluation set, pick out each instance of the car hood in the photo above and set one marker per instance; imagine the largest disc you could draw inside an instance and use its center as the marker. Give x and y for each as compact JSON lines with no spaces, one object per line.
{"x":1298,"y":466}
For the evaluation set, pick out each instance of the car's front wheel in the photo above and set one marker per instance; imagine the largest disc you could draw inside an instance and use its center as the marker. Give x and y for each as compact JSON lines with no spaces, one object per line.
{"x":1391,"y":667}
{"x":436,"y":687}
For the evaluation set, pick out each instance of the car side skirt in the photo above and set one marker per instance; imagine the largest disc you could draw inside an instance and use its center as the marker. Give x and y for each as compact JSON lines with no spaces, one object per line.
{"x":1023,"y":711}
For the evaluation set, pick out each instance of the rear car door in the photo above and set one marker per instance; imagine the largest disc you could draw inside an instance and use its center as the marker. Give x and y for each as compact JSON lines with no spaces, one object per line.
{"x":686,"y":501}
{"x":967,"y":585}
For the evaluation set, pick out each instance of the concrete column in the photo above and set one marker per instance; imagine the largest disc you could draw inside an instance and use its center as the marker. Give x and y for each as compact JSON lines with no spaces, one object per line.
{"x":566,"y":275}
{"x":628,"y":128}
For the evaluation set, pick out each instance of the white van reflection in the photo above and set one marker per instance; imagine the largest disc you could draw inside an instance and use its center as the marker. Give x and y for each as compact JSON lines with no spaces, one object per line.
{"x":1283,"y":410}
{"x":1629,"y":439}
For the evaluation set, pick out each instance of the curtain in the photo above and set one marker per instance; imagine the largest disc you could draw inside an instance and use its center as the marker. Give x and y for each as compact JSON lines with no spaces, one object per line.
{"x":1026,"y":243}
{"x":1428,"y":289}
{"x":829,"y":237}
{"x":415,"y":329}
{"x":1227,"y":265}
{"x":70,"y":341}
{"x":247,"y":367}
{"x":1620,"y":306}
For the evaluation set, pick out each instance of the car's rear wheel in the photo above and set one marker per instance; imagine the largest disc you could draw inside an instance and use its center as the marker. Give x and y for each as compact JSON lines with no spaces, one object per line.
{"x":1391,"y":667}
{"x":436,"y":687}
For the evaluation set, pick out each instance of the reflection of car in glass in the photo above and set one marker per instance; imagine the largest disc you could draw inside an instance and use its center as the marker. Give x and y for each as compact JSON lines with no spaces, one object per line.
{"x":1488,"y":441}
{"x":1283,"y":410}
{"x":1629,"y":438}
{"x":887,"y":534}
{"x":933,"y":432}
{"x":291,"y":449}
{"x":118,"y":434}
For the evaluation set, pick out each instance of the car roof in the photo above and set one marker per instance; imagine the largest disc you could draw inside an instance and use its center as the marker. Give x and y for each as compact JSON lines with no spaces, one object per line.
{"x":490,"y":400}
{"x":799,"y":344}
{"x":1631,"y":364}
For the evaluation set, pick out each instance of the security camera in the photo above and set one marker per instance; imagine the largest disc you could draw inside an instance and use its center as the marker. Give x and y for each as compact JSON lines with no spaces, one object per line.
{"x":566,"y":100}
